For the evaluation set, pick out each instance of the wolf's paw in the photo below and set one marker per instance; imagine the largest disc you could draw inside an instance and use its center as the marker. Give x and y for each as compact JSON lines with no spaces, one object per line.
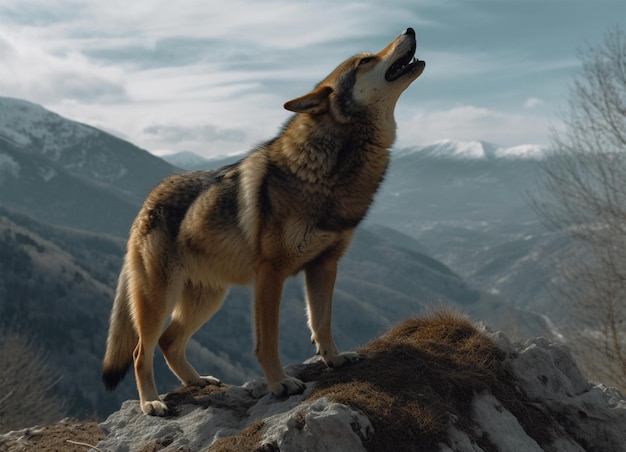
{"x":343,"y":358}
{"x":155,"y":408}
{"x":287,"y":386}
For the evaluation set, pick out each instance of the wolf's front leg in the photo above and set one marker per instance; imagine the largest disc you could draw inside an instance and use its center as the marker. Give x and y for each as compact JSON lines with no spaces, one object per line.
{"x":268,"y":291}
{"x":320,"y":281}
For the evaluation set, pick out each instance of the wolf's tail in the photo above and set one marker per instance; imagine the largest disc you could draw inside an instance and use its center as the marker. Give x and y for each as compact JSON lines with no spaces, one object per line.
{"x":122,"y":338}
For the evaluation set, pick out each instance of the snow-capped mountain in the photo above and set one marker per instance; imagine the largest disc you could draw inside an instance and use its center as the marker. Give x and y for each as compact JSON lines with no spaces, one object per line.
{"x":68,"y":173}
{"x":32,"y":126}
{"x":78,"y":148}
{"x":475,"y":150}
{"x":441,"y":150}
{"x":468,"y":182}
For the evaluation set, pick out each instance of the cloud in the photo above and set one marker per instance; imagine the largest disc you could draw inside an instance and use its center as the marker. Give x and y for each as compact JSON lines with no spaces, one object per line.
{"x":532,"y":102}
{"x":277,"y":24}
{"x":29,"y":72}
{"x":205,"y":139}
{"x":220,"y":71}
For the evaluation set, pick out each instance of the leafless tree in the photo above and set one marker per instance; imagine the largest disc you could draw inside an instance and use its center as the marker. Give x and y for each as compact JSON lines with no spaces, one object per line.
{"x":25,"y":383}
{"x":584,"y":196}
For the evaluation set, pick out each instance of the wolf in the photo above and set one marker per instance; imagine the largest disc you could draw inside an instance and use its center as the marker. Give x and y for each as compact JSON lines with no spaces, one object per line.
{"x":290,"y":205}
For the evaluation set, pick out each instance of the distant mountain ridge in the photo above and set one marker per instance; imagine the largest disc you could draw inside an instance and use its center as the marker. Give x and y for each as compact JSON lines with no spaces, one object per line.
{"x":79,"y":148}
{"x":475,"y":150}
{"x":468,"y":204}
{"x":441,"y":149}
{"x":190,"y":161}
{"x":46,"y":190}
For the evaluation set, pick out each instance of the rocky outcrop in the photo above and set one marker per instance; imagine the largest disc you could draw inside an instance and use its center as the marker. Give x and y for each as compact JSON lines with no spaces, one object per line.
{"x":290,"y":424}
{"x":437,"y":383}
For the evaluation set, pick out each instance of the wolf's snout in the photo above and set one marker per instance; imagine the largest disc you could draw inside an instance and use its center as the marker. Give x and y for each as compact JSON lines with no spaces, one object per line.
{"x":406,"y":63}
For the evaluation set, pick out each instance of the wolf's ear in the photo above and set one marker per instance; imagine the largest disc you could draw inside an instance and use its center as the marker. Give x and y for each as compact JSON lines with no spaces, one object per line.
{"x":314,"y":103}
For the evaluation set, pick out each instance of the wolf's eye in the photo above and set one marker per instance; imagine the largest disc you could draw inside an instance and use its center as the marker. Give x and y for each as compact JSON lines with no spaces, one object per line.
{"x":365,"y":60}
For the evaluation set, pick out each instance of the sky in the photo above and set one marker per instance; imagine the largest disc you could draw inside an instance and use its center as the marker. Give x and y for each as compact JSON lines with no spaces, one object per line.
{"x":211,"y":77}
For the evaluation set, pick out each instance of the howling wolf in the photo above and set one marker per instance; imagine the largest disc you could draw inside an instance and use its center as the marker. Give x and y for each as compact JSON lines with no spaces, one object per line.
{"x":291,"y":204}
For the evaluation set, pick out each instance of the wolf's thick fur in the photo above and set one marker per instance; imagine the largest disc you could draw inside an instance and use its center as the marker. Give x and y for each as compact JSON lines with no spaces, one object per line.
{"x":292,"y":204}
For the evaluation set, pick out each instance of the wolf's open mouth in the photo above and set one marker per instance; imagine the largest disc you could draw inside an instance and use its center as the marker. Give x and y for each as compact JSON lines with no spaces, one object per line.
{"x":403,"y":65}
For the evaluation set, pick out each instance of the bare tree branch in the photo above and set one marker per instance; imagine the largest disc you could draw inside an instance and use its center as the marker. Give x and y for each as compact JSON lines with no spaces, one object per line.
{"x":584,"y":196}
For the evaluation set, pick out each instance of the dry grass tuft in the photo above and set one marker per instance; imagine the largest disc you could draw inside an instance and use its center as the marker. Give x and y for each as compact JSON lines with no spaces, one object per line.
{"x":26,"y":383}
{"x":416,"y":378}
{"x":249,"y":440}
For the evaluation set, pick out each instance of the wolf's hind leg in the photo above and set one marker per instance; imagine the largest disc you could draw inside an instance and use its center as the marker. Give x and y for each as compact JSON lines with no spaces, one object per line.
{"x":198,"y":303}
{"x":151,"y":307}
{"x":320,"y":281}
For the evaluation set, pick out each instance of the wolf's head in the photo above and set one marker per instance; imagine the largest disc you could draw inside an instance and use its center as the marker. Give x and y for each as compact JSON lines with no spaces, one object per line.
{"x":366,"y":85}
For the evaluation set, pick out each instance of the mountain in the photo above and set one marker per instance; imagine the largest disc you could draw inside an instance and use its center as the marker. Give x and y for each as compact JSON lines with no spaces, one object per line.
{"x":442,"y":149}
{"x":80,"y":149}
{"x":67,"y":173}
{"x":441,"y":184}
{"x":468,"y":204}
{"x":476,"y":150}
{"x":190,"y":161}
{"x":46,"y":190}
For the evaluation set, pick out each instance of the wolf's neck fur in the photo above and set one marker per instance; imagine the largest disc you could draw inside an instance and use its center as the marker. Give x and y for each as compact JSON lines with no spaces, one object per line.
{"x":318,"y":151}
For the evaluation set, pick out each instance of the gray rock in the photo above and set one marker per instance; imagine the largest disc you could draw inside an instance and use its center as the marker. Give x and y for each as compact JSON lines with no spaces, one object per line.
{"x":554,"y":409}
{"x":577,"y":415}
{"x":591,"y":415}
{"x":290,"y":424}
